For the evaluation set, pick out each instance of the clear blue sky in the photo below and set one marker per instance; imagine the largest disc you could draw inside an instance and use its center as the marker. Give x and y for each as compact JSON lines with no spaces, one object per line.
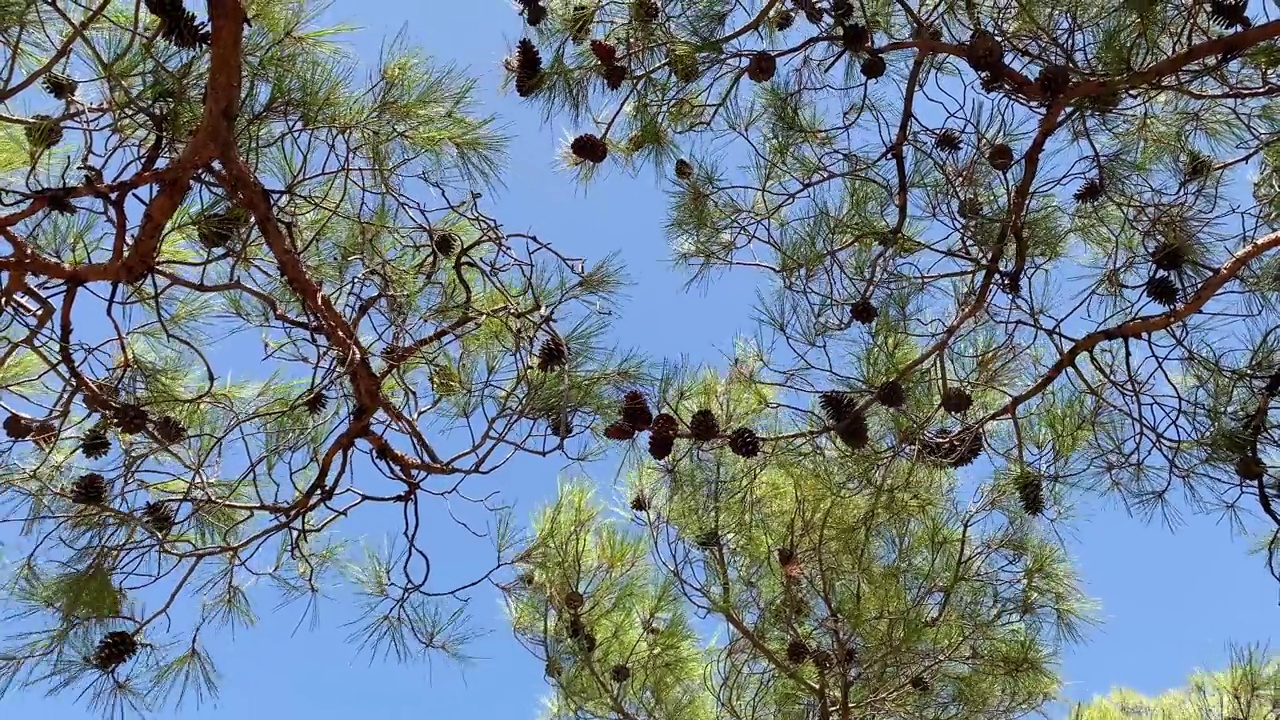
{"x":1170,"y":602}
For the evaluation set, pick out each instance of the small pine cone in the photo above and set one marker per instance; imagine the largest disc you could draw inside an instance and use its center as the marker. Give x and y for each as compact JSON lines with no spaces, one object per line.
{"x":822,"y":660}
{"x":614,"y":76}
{"x":956,"y":400}
{"x":852,"y":431}
{"x":1169,"y":255}
{"x":619,"y":431}
{"x":620,"y":673}
{"x":797,"y":652}
{"x":534,"y":14}
{"x":577,"y":628}
{"x":873,"y":67}
{"x":558,"y":424}
{"x":59,"y":86}
{"x":836,"y":405}
{"x":528,"y":68}
{"x":1031,"y":493}
{"x":707,"y":540}
{"x":89,"y":489}
{"x":44,"y":434}
{"x":646,"y":10}
{"x":920,"y":684}
{"x":1251,"y":468}
{"x":573,"y":601}
{"x":1090,"y":191}
{"x":684,"y":169}
{"x":635,"y":411}
{"x":891,"y":394}
{"x":95,"y":444}
{"x":130,"y":419}
{"x":660,"y":446}
{"x":744,"y":442}
{"x":445,"y":243}
{"x":606,"y":53}
{"x":1197,"y":165}
{"x":786,"y":556}
{"x":552,"y":354}
{"x":158,"y":517}
{"x":762,"y":67}
{"x":864,"y":312}
{"x":1162,"y":290}
{"x":704,"y":426}
{"x":855,"y":37}
{"x":1229,"y":14}
{"x":1053,"y":80}
{"x":17,"y":427}
{"x":590,"y":148}
{"x":315,"y":403}
{"x":985,"y":53}
{"x":970,"y":208}
{"x":841,"y":11}
{"x":664,"y":424}
{"x":640,"y":503}
{"x":783,"y":20}
{"x":949,"y":141}
{"x":1000,"y":157}
{"x":43,"y":133}
{"x":114,"y":650}
{"x":589,"y":643}
{"x":952,"y":448}
{"x":170,"y":429}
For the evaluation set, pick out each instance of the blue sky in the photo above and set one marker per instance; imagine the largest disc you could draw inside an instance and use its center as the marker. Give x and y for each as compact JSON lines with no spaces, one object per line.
{"x":1170,"y":602}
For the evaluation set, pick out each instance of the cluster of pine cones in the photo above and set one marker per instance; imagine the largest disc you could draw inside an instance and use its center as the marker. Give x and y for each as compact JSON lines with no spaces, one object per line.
{"x":704,"y":426}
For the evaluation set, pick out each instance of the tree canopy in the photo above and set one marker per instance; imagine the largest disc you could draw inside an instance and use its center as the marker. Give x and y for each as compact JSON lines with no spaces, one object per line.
{"x":1048,"y":225}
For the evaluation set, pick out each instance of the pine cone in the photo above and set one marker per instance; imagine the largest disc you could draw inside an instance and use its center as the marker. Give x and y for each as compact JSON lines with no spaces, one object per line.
{"x":59,"y":86}
{"x":1251,"y":468}
{"x":873,"y":67}
{"x":1090,"y":191}
{"x":558,"y":424}
{"x":534,"y":13}
{"x":619,"y":430}
{"x":1197,"y":165}
{"x":665,"y":424}
{"x":855,"y":37}
{"x":44,"y":434}
{"x":743,"y":442}
{"x":970,"y":208}
{"x":646,"y":10}
{"x":620,"y":673}
{"x":114,"y":650}
{"x":315,"y":403}
{"x":95,"y":444}
{"x":590,"y":148}
{"x":589,"y":643}
{"x":528,"y":68}
{"x":90,"y":489}
{"x":837,"y":405}
{"x":762,"y":67}
{"x":1031,"y":493}
{"x":952,"y":448}
{"x":640,"y":503}
{"x":43,"y":133}
{"x":704,"y":426}
{"x":445,"y":243}
{"x":920,"y":684}
{"x":1230,"y":14}
{"x":218,"y":229}
{"x":660,"y":446}
{"x":956,"y":400}
{"x":1053,"y":80}
{"x":1169,"y":255}
{"x":797,"y":652}
{"x":614,"y":76}
{"x":573,"y":601}
{"x":852,"y":431}
{"x":864,"y":312}
{"x":635,"y":411}
{"x":949,"y":141}
{"x":17,"y":427}
{"x":606,"y":53}
{"x":552,"y":354}
{"x":684,"y":170}
{"x":822,"y":660}
{"x":1162,"y":290}
{"x":891,"y":394}
{"x":1000,"y":157}
{"x":130,"y":419}
{"x":985,"y":53}
{"x":170,"y":429}
{"x":158,"y":517}
{"x":841,"y":11}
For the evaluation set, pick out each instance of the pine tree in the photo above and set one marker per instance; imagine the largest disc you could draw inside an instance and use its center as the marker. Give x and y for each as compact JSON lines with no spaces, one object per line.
{"x":244,"y":219}
{"x":791,"y":581}
{"x":1077,"y":232}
